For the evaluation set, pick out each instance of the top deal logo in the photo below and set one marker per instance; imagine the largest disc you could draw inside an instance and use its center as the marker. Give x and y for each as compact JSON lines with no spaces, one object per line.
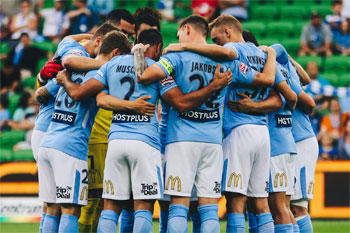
{"x":62,"y":192}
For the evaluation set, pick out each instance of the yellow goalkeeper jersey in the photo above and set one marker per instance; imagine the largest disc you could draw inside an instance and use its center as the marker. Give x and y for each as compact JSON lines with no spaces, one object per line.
{"x":100,"y":129}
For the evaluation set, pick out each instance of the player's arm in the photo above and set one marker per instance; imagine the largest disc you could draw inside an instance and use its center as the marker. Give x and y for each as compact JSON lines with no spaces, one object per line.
{"x":246,"y":105}
{"x":267,"y":77}
{"x":184,"y":102}
{"x":78,"y":63}
{"x":303,"y":75}
{"x":42,"y":95}
{"x":213,"y":51}
{"x":112,"y":103}
{"x":78,"y":92}
{"x":306,"y":103}
{"x":288,"y":94}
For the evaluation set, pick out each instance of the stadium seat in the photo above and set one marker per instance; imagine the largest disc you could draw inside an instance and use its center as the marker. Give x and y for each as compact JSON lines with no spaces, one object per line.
{"x":339,"y":64}
{"x":10,"y":138}
{"x":322,"y":9}
{"x":344,"y":80}
{"x":6,"y":155}
{"x":279,"y":30}
{"x":169,"y":31}
{"x":292,"y":46}
{"x":332,"y":78}
{"x":304,"y":60}
{"x":304,"y":3}
{"x":23,"y":155}
{"x":13,"y":101}
{"x":41,"y":63}
{"x":298,"y":28}
{"x":264,"y":13}
{"x":4,"y":48}
{"x":268,"y":41}
{"x":293,"y":13}
{"x":257,"y":28}
{"x":29,"y":82}
{"x":46,"y":45}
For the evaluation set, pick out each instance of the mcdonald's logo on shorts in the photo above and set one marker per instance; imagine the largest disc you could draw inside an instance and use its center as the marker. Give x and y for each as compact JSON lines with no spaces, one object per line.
{"x":173,"y":181}
{"x":235,"y":177}
{"x":283,"y":179}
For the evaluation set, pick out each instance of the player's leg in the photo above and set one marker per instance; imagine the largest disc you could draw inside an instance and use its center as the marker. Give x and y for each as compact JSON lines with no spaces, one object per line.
{"x":195,"y":217}
{"x":182,"y":160}
{"x":147,"y":182}
{"x":115,"y":190}
{"x":259,"y":178}
{"x":164,"y":203}
{"x":91,"y":212}
{"x":279,"y":180}
{"x":291,"y":169}
{"x":127,"y":217}
{"x":208,"y":185}
{"x":235,"y":179}
{"x":47,"y":192}
{"x":252,"y":220}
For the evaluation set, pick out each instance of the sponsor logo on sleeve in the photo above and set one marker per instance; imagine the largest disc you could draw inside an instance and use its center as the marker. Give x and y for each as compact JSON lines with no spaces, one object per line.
{"x":75,"y":52}
{"x":283,"y":120}
{"x":126,"y":117}
{"x":167,"y":81}
{"x":243,"y":68}
{"x":64,"y":117}
{"x":200,"y":115}
{"x":99,"y":72}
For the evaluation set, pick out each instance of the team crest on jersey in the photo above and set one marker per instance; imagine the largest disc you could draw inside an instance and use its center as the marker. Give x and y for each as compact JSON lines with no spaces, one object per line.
{"x":167,"y":81}
{"x":243,"y":68}
{"x":149,"y":189}
{"x":75,"y":52}
{"x":217,"y":187}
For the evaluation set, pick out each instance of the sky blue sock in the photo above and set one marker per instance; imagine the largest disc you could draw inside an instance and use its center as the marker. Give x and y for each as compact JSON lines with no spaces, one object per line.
{"x":281,"y":53}
{"x":108,"y":222}
{"x":126,"y":221}
{"x":235,"y":223}
{"x":177,"y":219}
{"x":265,"y":223}
{"x":42,"y":222}
{"x":163,"y":221}
{"x":51,"y":224}
{"x":296,"y":229}
{"x":253,"y":223}
{"x":305,"y":225}
{"x":209,"y":218}
{"x":196,"y":222}
{"x":68,"y":224}
{"x":143,"y":221}
{"x":284,"y":228}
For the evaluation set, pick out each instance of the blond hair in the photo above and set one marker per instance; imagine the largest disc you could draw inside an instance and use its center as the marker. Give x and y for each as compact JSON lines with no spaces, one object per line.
{"x":226,"y":20}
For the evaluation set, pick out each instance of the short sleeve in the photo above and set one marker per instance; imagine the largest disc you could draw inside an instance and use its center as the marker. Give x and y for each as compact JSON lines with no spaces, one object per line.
{"x":70,"y":47}
{"x":52,"y":87}
{"x":101,"y":74}
{"x":242,"y":73}
{"x":169,"y":63}
{"x":232,"y":46}
{"x":166,"y":84}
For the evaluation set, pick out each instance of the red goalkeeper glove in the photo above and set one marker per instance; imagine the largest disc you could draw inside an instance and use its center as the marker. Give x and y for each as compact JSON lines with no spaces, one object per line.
{"x":50,"y":70}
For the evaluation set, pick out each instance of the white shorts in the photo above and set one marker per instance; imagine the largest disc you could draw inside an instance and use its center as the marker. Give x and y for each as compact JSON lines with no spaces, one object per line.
{"x":247,"y":161}
{"x":195,"y":164}
{"x":37,"y":137}
{"x":282,"y":173}
{"x":132,"y":167}
{"x":62,"y":178}
{"x":305,"y":168}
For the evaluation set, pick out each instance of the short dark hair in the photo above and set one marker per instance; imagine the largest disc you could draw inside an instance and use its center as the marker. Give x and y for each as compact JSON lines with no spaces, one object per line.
{"x":113,"y":40}
{"x":150,"y":36}
{"x":198,"y":22}
{"x":147,"y":19}
{"x":4,"y":101}
{"x":104,"y":29}
{"x":118,"y":14}
{"x":249,"y":37}
{"x":336,"y":2}
{"x":28,"y":1}
{"x":147,"y":11}
{"x":23,"y":100}
{"x":24,"y":34}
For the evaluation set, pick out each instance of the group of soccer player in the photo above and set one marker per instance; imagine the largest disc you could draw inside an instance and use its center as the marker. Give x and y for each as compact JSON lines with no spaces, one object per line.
{"x":233,"y":121}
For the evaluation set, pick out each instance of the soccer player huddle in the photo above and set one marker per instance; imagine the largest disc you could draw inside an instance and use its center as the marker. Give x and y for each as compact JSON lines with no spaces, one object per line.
{"x":233,"y":122}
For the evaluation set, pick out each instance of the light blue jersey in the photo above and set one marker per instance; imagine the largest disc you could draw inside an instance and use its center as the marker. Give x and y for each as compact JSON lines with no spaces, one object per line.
{"x":280,"y":122}
{"x":255,"y":58}
{"x":72,"y":121}
{"x":118,"y":77}
{"x":164,"y":113}
{"x":65,"y":47}
{"x":192,"y":72}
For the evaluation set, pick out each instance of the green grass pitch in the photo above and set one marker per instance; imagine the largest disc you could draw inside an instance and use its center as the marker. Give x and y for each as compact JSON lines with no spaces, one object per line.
{"x":320,"y":226}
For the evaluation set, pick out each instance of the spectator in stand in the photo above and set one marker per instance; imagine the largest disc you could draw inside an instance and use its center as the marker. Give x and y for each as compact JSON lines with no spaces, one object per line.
{"x":344,"y":142}
{"x":4,"y":112}
{"x":123,"y":20}
{"x":24,"y":109}
{"x":316,"y":82}
{"x":102,"y":7}
{"x":24,"y":22}
{"x":166,"y":9}
{"x":316,"y":37}
{"x":56,"y":22}
{"x":335,"y":19}
{"x":26,"y":57}
{"x":345,"y":12}
{"x":236,"y":8}
{"x":327,"y":148}
{"x":342,"y":38}
{"x":84,"y":19}
{"x":331,"y":123}
{"x":204,"y":8}
{"x":9,"y":77}
{"x":4,"y":25}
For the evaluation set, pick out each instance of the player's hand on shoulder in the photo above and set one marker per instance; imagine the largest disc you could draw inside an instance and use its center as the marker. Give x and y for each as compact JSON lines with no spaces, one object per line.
{"x":173,"y":48}
{"x":244,"y":105}
{"x":62,"y":77}
{"x":139,"y":48}
{"x":141,"y":106}
{"x":221,"y":80}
